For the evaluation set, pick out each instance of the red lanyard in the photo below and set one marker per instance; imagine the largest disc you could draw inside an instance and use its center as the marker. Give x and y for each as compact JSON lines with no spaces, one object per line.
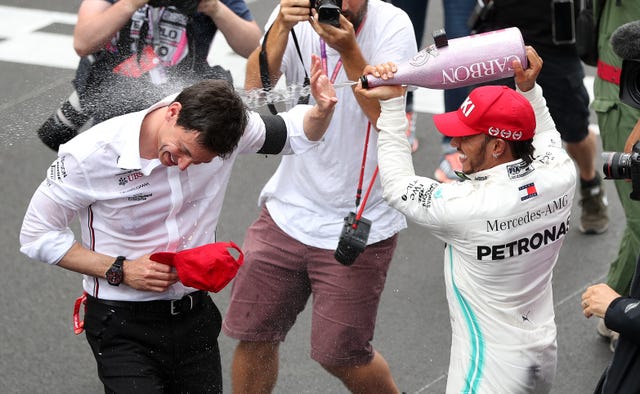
{"x":334,"y":75}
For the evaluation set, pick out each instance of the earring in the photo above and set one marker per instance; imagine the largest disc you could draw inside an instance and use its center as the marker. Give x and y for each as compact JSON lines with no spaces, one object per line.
{"x":495,"y":155}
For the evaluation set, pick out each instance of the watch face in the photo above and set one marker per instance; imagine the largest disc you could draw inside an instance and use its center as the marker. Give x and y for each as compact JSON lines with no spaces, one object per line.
{"x":114,"y":276}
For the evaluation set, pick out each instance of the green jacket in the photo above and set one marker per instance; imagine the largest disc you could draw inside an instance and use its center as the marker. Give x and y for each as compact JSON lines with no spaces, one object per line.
{"x":612,"y":14}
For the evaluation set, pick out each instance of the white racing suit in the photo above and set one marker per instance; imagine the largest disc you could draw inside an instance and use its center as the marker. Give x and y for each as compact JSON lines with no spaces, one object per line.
{"x":503,"y":229}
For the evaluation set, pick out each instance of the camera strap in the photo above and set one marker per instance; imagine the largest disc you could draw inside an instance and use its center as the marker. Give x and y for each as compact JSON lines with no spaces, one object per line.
{"x":366,"y":196}
{"x":361,"y":178}
{"x":264,"y":71}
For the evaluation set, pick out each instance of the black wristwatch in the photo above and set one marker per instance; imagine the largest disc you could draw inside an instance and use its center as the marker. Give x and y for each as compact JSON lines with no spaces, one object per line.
{"x":115,"y":274}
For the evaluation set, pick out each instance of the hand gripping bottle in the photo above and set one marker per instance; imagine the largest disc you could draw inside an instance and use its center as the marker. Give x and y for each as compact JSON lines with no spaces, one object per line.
{"x":449,"y":64}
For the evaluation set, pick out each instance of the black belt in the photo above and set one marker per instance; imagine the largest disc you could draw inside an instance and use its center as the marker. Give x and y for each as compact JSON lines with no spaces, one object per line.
{"x":188,"y":303}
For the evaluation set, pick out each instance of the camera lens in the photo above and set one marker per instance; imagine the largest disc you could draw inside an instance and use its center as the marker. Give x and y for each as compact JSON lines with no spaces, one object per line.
{"x":345,"y":253}
{"x":329,"y":11}
{"x":353,"y":239}
{"x":616,"y":165}
{"x":630,"y":82}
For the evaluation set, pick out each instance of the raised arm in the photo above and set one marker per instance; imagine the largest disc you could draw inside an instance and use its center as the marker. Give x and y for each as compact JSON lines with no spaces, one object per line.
{"x":343,"y":39}
{"x":289,"y":14}
{"x":546,"y":134}
{"x":242,"y":35}
{"x":317,"y":119}
{"x":99,"y":21}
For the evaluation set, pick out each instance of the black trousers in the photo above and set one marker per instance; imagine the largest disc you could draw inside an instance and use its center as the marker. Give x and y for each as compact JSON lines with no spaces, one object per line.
{"x":157,"y":346}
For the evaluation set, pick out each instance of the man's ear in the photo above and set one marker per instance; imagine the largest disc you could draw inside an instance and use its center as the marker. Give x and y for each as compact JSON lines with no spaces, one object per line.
{"x":500,"y":147}
{"x":172,"y":111}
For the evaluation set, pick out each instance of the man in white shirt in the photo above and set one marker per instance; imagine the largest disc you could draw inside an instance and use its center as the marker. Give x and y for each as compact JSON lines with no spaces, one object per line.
{"x":503,"y":226}
{"x":154,"y":181}
{"x":290,"y":249}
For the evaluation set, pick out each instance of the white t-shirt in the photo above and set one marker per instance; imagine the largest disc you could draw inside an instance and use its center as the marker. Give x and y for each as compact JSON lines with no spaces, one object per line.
{"x":309,"y":195}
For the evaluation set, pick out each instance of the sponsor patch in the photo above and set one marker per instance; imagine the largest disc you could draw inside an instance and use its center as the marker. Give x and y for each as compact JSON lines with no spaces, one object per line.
{"x":519,"y":170}
{"x":527,"y":191}
{"x":139,"y":197}
{"x":57,"y":171}
{"x":417,"y":192}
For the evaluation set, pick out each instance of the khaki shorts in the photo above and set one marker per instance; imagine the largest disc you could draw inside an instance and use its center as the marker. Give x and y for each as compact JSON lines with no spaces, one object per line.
{"x":277,"y":278}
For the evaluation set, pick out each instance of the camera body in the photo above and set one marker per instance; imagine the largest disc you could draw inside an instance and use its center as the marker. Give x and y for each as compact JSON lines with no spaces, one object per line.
{"x":65,"y":123}
{"x":630,"y":82}
{"x":328,"y":11}
{"x":353,"y":239}
{"x":187,"y":7}
{"x":563,"y":28}
{"x":618,"y":165}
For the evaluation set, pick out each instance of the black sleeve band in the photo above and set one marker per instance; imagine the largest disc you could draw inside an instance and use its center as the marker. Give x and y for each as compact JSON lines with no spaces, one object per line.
{"x":276,"y":134}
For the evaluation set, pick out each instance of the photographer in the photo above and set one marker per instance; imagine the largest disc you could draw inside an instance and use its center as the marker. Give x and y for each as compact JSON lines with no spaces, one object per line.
{"x":135,"y":52}
{"x":619,"y":312}
{"x":291,"y":249}
{"x":503,"y":226}
{"x":616,"y":119}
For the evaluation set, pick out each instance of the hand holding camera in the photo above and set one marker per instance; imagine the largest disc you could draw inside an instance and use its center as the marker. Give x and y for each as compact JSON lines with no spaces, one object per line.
{"x":618,"y":165}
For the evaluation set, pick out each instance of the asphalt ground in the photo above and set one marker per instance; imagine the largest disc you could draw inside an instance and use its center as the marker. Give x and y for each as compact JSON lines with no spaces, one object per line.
{"x":40,"y":354}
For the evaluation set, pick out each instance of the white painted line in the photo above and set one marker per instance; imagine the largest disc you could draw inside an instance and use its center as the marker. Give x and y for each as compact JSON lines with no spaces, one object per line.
{"x":24,"y":44}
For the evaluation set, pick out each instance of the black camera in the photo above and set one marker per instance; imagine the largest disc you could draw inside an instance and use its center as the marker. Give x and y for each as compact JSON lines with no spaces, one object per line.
{"x":618,"y":165}
{"x":64,"y":124}
{"x":563,"y":28}
{"x":328,"y":11}
{"x":630,"y":82}
{"x":187,"y":7}
{"x":353,"y":239}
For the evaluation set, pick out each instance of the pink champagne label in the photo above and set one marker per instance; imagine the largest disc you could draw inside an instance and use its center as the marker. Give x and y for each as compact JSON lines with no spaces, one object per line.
{"x":464,"y":61}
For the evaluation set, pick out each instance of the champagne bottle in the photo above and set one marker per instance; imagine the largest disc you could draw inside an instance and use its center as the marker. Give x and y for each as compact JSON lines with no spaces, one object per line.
{"x":464,"y":61}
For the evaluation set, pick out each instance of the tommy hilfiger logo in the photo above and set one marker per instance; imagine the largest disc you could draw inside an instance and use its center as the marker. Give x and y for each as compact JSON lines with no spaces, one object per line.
{"x":527,"y":191}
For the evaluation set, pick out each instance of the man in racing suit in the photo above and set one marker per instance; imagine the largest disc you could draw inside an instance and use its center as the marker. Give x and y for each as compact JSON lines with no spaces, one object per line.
{"x":503,"y":226}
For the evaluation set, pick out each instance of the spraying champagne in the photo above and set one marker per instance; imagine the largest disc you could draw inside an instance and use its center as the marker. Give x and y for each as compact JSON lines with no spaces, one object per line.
{"x":449,"y":64}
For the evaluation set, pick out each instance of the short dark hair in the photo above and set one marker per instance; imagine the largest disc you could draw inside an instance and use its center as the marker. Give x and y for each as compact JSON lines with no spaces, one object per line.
{"x":213,"y":108}
{"x":523,"y":150}
{"x":520,"y":149}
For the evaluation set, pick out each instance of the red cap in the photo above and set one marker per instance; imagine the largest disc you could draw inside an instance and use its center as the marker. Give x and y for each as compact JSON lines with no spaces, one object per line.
{"x":209,"y":267}
{"x":497,"y":111}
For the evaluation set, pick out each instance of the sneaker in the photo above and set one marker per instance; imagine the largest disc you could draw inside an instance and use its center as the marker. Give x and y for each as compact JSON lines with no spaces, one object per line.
{"x":411,"y":131}
{"x":604,"y":332}
{"x":594,"y":218}
{"x":449,"y":164}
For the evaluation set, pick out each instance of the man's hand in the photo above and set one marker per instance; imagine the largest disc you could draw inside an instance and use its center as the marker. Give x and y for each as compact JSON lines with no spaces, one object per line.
{"x":525,"y":79}
{"x":596,"y":299}
{"x":317,"y":119}
{"x":321,"y":87}
{"x":293,"y":11}
{"x":384,"y":71}
{"x":634,"y":137}
{"x":148,"y":275}
{"x":209,"y":7}
{"x":342,"y":38}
